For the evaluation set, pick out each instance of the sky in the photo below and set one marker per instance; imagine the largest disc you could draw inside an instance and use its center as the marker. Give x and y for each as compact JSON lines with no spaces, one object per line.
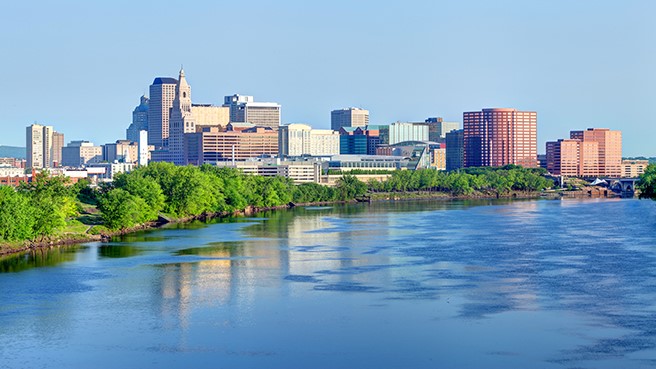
{"x":81,"y":66}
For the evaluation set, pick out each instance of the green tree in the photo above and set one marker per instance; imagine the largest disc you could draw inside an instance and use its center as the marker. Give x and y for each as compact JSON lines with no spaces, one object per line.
{"x":647,"y":183}
{"x":120,"y":209}
{"x":16,"y":215}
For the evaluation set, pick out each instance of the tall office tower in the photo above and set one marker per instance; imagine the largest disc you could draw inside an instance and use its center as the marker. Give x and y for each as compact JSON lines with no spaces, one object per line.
{"x":609,"y":145}
{"x":162,"y":93}
{"x":438,"y":128}
{"x":350,"y":117}
{"x":139,"y":121}
{"x":243,"y":109}
{"x":407,"y":131}
{"x":38,"y":140}
{"x":57,"y":145}
{"x":499,"y":136}
{"x":181,"y":120}
{"x":454,"y":149}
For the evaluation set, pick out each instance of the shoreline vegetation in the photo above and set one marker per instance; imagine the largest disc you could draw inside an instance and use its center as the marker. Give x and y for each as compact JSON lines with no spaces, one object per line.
{"x":49,"y":212}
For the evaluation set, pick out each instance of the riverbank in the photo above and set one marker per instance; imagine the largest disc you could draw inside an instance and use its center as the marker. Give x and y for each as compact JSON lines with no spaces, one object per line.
{"x":106,"y":235}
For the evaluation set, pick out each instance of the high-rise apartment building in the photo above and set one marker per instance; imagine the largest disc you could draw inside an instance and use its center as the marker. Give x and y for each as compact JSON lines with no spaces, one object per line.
{"x":499,"y":136}
{"x":245,"y":110}
{"x":57,"y":145}
{"x":139,"y":120}
{"x":454,"y":149}
{"x":162,"y":94}
{"x":38,"y":140}
{"x":349,"y":117}
{"x":609,"y":146}
{"x":181,"y":121}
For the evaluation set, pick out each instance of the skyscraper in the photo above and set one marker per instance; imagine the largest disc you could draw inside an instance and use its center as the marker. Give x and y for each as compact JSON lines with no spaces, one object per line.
{"x":139,"y":120}
{"x":162,"y":93}
{"x":57,"y":145}
{"x":499,"y":136}
{"x":181,"y":120}
{"x":454,"y":149}
{"x":38,"y":140}
{"x":350,"y":117}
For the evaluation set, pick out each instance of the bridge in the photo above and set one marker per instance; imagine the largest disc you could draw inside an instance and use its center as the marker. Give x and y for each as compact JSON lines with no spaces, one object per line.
{"x":623,"y":186}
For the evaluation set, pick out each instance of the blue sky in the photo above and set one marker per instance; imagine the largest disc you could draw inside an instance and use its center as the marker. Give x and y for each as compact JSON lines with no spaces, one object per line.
{"x":81,"y":65}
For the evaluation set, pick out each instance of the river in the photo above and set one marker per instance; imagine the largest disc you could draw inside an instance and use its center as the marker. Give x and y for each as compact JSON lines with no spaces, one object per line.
{"x":432,"y":284}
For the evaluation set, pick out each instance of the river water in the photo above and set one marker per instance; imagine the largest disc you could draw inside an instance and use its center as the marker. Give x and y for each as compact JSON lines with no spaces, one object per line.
{"x":441,"y":284}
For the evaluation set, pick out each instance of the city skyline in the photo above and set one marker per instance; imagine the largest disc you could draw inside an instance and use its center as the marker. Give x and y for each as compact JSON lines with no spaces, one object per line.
{"x":578,"y":65}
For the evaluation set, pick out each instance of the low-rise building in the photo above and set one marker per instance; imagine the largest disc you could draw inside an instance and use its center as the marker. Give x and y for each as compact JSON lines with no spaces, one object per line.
{"x":80,"y":153}
{"x":633,"y":168}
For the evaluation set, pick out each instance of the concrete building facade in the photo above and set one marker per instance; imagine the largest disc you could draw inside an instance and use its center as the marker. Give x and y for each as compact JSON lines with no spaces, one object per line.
{"x":633,"y":168}
{"x":500,"y":136}
{"x":245,"y":110}
{"x":207,"y":115}
{"x":212,"y":145}
{"x":123,"y":151}
{"x":298,"y":139}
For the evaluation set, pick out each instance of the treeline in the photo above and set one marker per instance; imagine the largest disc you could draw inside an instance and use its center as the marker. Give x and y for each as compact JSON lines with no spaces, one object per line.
{"x":182,"y":191}
{"x":37,"y":210}
{"x":40,"y":209}
{"x":501,"y":180}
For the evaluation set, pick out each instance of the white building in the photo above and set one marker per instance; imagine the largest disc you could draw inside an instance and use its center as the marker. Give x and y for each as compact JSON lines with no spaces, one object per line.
{"x":144,"y":151}
{"x":38,"y":140}
{"x":407,"y":131}
{"x":298,"y":139}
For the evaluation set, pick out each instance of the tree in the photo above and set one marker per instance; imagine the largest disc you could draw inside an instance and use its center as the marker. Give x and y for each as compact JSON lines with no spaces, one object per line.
{"x":16,"y":215}
{"x":647,"y":183}
{"x":120,"y":209}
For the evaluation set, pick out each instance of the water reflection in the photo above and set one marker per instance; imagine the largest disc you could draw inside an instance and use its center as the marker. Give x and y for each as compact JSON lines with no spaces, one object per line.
{"x":481,"y":283}
{"x":38,"y":258}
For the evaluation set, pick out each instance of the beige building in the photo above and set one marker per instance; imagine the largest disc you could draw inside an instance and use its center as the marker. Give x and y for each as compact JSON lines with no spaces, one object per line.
{"x":207,"y":115}
{"x":297,"y":171}
{"x":349,"y":117}
{"x":212,"y":145}
{"x":633,"y":168}
{"x":573,"y":158}
{"x":39,"y":146}
{"x":609,"y":148}
{"x":298,"y":139}
{"x":122,"y":151}
{"x":79,"y":153}
{"x":182,"y":121}
{"x":438,"y":159}
{"x":244,"y":109}
{"x":57,"y":145}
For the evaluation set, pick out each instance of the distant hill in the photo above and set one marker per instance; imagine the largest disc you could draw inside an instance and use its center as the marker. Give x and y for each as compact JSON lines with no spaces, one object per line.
{"x":12,"y":152}
{"x":652,"y":160}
